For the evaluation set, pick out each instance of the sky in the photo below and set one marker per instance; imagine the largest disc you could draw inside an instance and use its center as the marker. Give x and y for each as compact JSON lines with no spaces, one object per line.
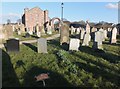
{"x":72,"y":11}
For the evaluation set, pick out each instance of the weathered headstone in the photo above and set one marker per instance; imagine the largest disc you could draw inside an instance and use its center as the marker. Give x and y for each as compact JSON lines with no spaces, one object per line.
{"x":42,"y":45}
{"x":64,"y":34}
{"x":82,"y":33}
{"x":49,"y":30}
{"x":102,"y":33}
{"x":12,"y":45}
{"x":39,"y":34}
{"x":30,"y":32}
{"x":86,"y":39}
{"x":113,"y":35}
{"x":87,"y":28}
{"x":77,"y":30}
{"x":19,"y":32}
{"x":74,"y":44}
{"x":27,"y":35}
{"x":105,"y":34}
{"x":8,"y":31}
{"x":97,"y":44}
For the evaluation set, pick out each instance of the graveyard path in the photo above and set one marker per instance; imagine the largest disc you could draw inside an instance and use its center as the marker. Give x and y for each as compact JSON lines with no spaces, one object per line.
{"x":34,"y":41}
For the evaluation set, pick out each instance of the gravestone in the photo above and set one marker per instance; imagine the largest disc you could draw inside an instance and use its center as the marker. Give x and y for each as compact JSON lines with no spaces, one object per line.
{"x":113,"y":35}
{"x":77,"y":31}
{"x":86,"y":39}
{"x":87,"y":28}
{"x":74,"y":44}
{"x":105,"y":34}
{"x":82,"y":33}
{"x":27,"y":35}
{"x":49,"y":30}
{"x":64,"y":34}
{"x":72,"y":30}
{"x":97,"y":44}
{"x":42,"y":45}
{"x":30,"y":32}
{"x":12,"y":45}
{"x":102,"y":33}
{"x":19,"y":32}
{"x":39,"y":34}
{"x":8,"y":31}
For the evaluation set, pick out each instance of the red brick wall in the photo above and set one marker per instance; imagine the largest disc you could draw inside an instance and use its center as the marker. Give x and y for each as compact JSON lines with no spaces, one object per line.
{"x":35,"y":16}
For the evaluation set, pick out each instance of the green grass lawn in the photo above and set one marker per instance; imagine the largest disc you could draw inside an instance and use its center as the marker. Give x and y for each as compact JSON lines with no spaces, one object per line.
{"x":32,"y":37}
{"x":85,"y":68}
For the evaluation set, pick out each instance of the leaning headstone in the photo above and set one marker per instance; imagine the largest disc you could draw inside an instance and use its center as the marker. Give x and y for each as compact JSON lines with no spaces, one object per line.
{"x":64,"y":34}
{"x":12,"y":45}
{"x":113,"y":35}
{"x":97,"y":44}
{"x":42,"y":45}
{"x":86,"y":39}
{"x":74,"y":44}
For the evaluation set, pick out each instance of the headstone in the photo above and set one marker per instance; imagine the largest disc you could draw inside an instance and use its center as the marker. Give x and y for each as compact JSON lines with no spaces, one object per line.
{"x":64,"y":34}
{"x":30,"y":32}
{"x":19,"y":32}
{"x":42,"y":45}
{"x":105,"y":34}
{"x":102,"y":32}
{"x":13,"y":45}
{"x":49,"y":31}
{"x":113,"y":35}
{"x":72,"y":30}
{"x":74,"y":44}
{"x":9,"y":31}
{"x":82,"y":33}
{"x":97,"y":44}
{"x":39,"y":34}
{"x":87,"y":28}
{"x":27,"y":35}
{"x":86,"y":39}
{"x":77,"y":31}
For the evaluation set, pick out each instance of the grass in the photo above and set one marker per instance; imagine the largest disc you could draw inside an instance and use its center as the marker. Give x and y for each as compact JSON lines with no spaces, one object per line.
{"x":93,"y":69}
{"x":32,"y":37}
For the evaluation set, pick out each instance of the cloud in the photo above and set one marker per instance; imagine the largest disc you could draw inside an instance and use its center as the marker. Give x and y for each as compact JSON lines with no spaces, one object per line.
{"x":112,"y":6}
{"x":12,"y":16}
